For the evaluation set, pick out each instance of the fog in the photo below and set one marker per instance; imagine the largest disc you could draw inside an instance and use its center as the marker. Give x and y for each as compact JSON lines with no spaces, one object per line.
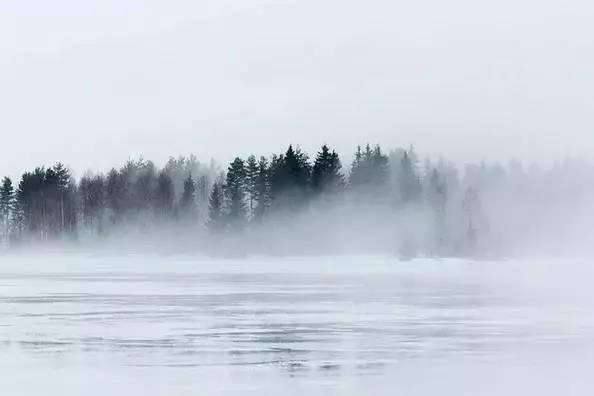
{"x":95,"y":84}
{"x":319,"y":325}
{"x":296,"y":197}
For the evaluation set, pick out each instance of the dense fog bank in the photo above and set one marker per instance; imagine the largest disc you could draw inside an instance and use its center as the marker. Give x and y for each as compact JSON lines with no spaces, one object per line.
{"x":291,"y":204}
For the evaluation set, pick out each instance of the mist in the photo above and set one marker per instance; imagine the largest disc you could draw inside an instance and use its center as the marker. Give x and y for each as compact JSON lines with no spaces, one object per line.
{"x":282,"y":197}
{"x":397,"y":202}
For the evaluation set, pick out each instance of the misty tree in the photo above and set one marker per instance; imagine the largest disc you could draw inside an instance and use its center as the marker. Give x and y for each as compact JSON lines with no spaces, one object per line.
{"x":116,"y":194}
{"x":164,"y":196}
{"x":92,"y":198}
{"x":289,"y":179}
{"x":326,"y":173}
{"x":178,"y":169}
{"x":235,"y":194}
{"x":437,"y":196}
{"x":251,"y":181}
{"x":203,"y":187}
{"x":6,"y":207}
{"x":216,"y":208}
{"x":471,"y":206}
{"x":369,"y":170}
{"x":262,"y":189}
{"x":62,"y":184}
{"x":30,"y":204}
{"x":409,"y":182}
{"x":145,"y":185}
{"x":188,"y":207}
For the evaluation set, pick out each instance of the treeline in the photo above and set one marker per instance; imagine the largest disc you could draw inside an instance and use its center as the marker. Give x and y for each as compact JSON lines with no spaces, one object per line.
{"x":285,"y":202}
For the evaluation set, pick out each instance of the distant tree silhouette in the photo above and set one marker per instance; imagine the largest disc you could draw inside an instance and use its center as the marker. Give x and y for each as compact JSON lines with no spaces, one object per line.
{"x":92,"y":198}
{"x":289,"y":179}
{"x":216,"y":209}
{"x":188,"y":207}
{"x":262,"y":189}
{"x":326,"y":176}
{"x":164,"y":196}
{"x":235,"y":194}
{"x":6,"y":208}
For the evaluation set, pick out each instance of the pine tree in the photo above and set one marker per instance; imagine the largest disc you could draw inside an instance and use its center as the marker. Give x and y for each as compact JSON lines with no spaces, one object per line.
{"x":189,"y":209}
{"x":437,"y":196}
{"x":251,"y":180}
{"x":326,"y":176}
{"x":92,"y":198}
{"x":235,"y":194}
{"x":63,"y":179}
{"x":471,"y":204}
{"x":290,"y":179}
{"x":379,"y":164}
{"x":262,"y":188}
{"x":203,"y":188}
{"x":369,"y":171}
{"x":409,"y":183}
{"x":6,"y":207}
{"x":164,"y":196}
{"x":216,"y":210}
{"x":116,"y":194}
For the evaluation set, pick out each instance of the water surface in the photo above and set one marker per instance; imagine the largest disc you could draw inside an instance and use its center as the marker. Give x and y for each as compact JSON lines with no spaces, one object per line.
{"x":328,"y":325}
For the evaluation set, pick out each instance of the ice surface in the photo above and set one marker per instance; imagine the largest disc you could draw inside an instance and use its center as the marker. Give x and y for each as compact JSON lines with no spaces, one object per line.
{"x":360,"y":325}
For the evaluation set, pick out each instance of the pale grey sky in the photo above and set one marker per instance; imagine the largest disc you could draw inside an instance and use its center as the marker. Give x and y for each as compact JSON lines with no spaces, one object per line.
{"x":91,"y":83}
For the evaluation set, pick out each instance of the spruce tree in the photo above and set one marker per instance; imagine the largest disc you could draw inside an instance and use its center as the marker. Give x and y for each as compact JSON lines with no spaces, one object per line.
{"x":92,"y":198}
{"x":326,"y":176}
{"x":116,"y":194}
{"x":235,"y":193}
{"x":6,"y":207}
{"x":216,"y":210}
{"x":262,"y":189}
{"x":409,"y":183}
{"x":188,"y":207}
{"x":164,"y":196}
{"x":251,"y":180}
{"x":437,"y":196}
{"x":290,"y":179}
{"x":63,"y":179}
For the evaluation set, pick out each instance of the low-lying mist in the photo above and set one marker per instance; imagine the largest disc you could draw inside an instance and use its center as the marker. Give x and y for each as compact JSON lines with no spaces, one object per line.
{"x":291,"y":204}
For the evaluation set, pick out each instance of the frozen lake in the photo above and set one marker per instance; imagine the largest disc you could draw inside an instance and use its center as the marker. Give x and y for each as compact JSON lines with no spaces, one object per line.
{"x":313,"y":326}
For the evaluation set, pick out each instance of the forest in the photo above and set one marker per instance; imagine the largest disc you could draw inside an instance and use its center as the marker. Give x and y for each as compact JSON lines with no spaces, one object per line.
{"x":291,"y":203}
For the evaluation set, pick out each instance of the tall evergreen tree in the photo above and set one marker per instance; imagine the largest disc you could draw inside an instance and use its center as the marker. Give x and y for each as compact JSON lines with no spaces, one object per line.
{"x":326,"y":176}
{"x":369,"y":170}
{"x":262,"y":188}
{"x":116,"y":194}
{"x":251,"y":180}
{"x":31,"y":204}
{"x":6,"y":207}
{"x":63,"y":180}
{"x":216,"y":209}
{"x":437,"y":196}
{"x":92,"y":199}
{"x":235,"y":194}
{"x":203,"y":187}
{"x":409,"y":183}
{"x":290,"y":179}
{"x":188,"y":206}
{"x":164,"y":196}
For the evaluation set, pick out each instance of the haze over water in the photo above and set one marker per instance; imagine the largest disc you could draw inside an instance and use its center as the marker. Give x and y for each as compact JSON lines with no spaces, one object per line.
{"x":311,"y":325}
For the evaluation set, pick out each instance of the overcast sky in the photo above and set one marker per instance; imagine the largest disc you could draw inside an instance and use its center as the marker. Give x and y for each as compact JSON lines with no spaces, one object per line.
{"x":91,"y":83}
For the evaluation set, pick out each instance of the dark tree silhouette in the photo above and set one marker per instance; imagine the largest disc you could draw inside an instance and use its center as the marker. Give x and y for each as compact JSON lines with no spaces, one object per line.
{"x":216,"y":209}
{"x":235,"y":194}
{"x":6,"y":208}
{"x":326,"y":177}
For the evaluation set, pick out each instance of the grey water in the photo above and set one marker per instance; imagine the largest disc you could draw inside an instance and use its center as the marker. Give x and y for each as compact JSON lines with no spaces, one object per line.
{"x":317,"y":325}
